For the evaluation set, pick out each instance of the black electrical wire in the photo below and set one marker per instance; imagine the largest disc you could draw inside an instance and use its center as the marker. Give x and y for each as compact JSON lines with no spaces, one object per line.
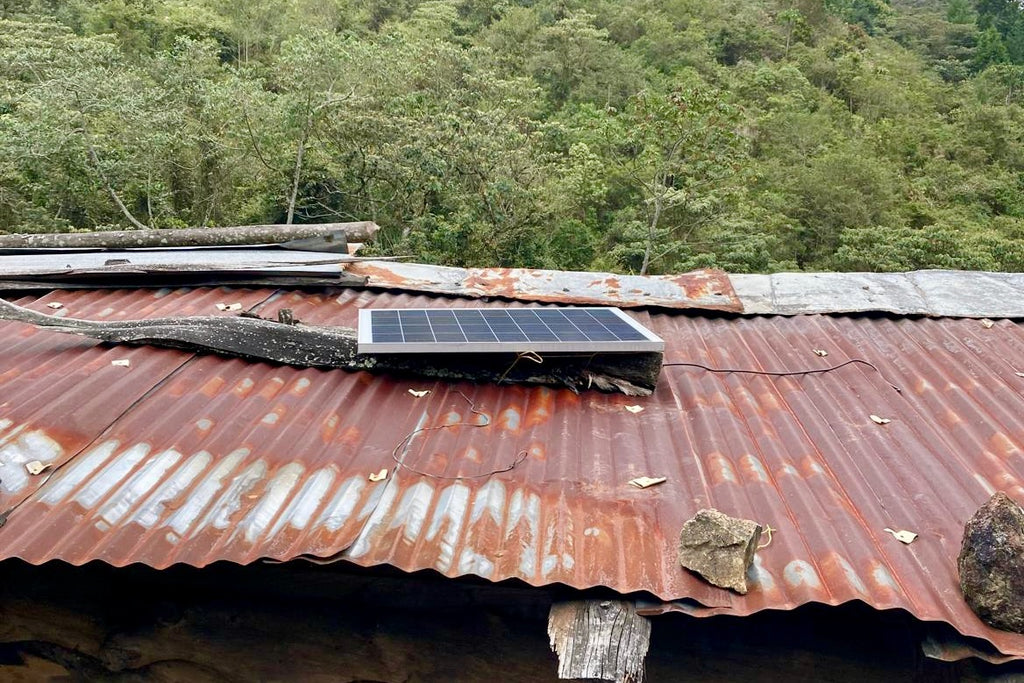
{"x":784,"y":373}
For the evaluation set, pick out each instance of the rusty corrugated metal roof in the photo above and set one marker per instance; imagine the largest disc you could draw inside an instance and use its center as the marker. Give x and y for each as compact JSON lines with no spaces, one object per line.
{"x":194,"y":459}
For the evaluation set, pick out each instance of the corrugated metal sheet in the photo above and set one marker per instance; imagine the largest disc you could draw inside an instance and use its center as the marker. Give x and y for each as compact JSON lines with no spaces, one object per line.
{"x":197,"y":459}
{"x":704,"y":289}
{"x":925,"y":292}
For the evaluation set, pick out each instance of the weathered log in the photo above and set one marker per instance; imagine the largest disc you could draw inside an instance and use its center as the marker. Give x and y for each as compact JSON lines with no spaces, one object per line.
{"x":599,"y":640}
{"x":128,"y":266}
{"x":184,"y":279}
{"x":254,"y":338}
{"x":180,"y":267}
{"x":190,"y":237}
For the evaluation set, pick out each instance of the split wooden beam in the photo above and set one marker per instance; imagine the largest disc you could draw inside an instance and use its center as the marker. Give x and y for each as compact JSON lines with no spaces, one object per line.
{"x":362,"y":231}
{"x":251,"y":337}
{"x":599,"y":640}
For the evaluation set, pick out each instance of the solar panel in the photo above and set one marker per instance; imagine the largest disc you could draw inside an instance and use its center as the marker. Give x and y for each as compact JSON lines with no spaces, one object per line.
{"x":476,"y":330}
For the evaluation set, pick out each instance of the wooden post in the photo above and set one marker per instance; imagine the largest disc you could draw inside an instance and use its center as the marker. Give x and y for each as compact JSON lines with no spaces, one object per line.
{"x":599,"y":640}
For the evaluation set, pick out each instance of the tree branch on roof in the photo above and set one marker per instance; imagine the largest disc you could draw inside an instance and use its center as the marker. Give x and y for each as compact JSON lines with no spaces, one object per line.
{"x":257,"y":339}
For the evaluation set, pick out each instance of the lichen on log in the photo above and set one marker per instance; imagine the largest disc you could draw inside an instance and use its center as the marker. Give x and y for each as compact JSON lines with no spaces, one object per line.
{"x":255,"y":338}
{"x":188,"y":237}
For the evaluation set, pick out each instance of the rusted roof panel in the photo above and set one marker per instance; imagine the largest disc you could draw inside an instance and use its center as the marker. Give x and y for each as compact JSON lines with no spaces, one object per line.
{"x":704,"y":289}
{"x":194,"y":459}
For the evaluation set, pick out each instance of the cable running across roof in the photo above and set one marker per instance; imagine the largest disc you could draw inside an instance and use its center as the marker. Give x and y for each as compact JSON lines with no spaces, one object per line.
{"x":784,"y":373}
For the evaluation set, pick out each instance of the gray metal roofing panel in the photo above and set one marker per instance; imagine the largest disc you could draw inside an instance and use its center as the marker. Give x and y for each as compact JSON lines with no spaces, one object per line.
{"x":971,"y":294}
{"x":950,"y":293}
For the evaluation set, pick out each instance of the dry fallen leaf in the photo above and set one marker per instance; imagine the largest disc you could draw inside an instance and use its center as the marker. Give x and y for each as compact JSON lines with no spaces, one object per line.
{"x":820,"y":352}
{"x":880,"y":420}
{"x":379,"y":476}
{"x":419,"y":394}
{"x":986,"y":323}
{"x":36,"y":467}
{"x":634,"y":409}
{"x":229,"y":307}
{"x":55,"y":305}
{"x":121,"y":363}
{"x":903,"y":536}
{"x":644,"y":482}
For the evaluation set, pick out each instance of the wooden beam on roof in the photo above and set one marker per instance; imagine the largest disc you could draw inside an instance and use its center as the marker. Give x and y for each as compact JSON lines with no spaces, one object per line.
{"x":599,"y":640}
{"x":254,"y":338}
{"x":307,"y":237}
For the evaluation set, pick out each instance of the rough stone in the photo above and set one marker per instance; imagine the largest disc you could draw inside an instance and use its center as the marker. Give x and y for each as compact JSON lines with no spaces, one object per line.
{"x":991,"y":563}
{"x":720,"y":548}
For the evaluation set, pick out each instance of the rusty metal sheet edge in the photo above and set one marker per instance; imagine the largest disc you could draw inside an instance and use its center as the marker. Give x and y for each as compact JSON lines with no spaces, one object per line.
{"x":701,"y":289}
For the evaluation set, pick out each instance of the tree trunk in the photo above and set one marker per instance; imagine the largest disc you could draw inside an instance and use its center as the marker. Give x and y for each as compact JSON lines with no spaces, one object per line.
{"x":110,"y":190}
{"x":651,"y":228}
{"x":297,"y":174}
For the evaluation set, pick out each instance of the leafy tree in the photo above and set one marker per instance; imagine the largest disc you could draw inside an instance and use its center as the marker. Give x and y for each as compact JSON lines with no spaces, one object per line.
{"x":991,"y":50}
{"x":574,"y":60}
{"x":1001,"y":82}
{"x":838,"y":191}
{"x":1014,"y":41}
{"x":867,"y":13}
{"x":676,"y":150}
{"x":83,"y":115}
{"x":957,"y":244}
{"x":960,"y":12}
{"x":998,"y":14}
{"x":795,"y":27}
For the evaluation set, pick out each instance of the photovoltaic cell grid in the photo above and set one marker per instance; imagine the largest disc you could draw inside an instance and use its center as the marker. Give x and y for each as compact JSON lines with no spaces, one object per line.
{"x":496,"y":330}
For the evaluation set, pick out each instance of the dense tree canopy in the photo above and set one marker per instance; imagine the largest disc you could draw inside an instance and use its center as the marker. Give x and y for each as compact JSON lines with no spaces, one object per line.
{"x":649,"y":136}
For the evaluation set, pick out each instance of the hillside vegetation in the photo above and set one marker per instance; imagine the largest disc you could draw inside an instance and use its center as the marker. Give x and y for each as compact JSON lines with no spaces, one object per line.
{"x":642,"y":136}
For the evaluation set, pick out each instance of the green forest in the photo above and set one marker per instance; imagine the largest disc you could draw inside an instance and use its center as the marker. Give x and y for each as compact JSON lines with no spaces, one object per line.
{"x":648,"y":136}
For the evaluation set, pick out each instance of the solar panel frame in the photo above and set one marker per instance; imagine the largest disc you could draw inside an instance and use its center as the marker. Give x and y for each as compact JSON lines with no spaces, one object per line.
{"x":498,"y":330}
